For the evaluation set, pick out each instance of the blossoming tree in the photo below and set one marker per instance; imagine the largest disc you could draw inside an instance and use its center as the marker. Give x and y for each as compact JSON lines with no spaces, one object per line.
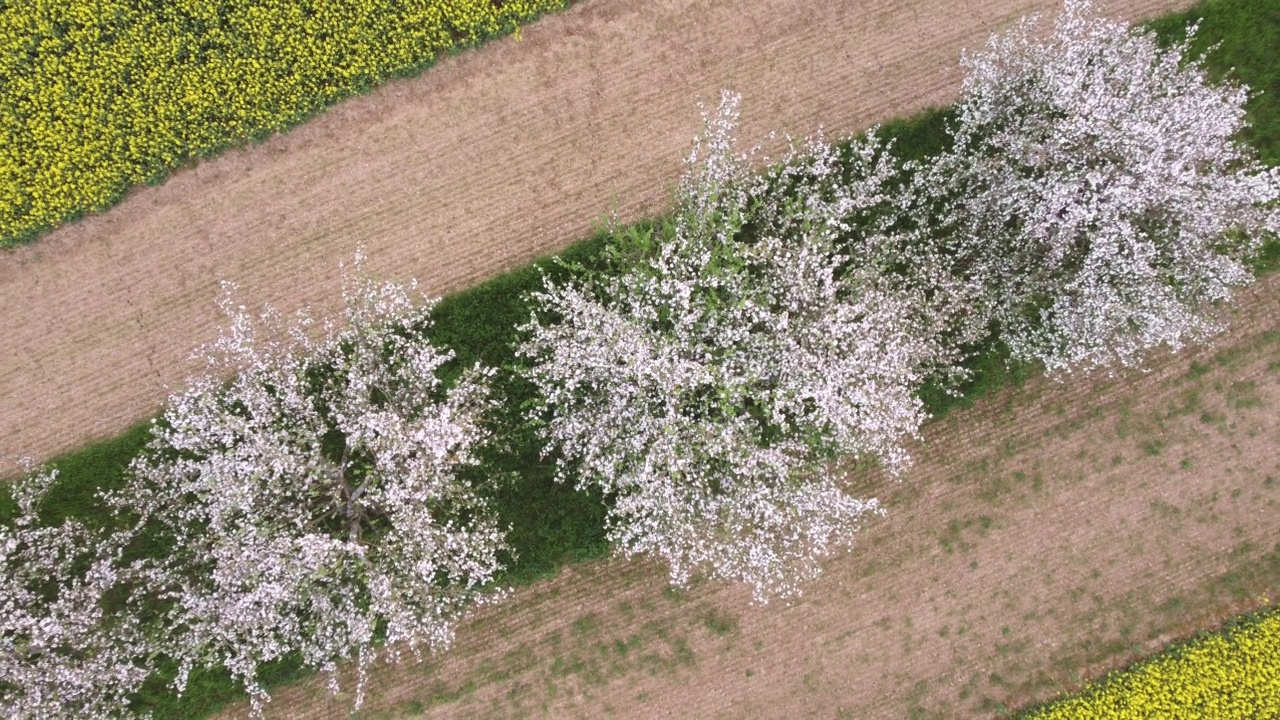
{"x":707,"y":389}
{"x":313,"y":502}
{"x":64,"y":651}
{"x":1098,"y":191}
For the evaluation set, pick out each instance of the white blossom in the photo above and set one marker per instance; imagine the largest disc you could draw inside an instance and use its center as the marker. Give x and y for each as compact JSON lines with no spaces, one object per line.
{"x":706,"y":390}
{"x":314,"y":501}
{"x":64,"y":650}
{"x":1098,"y":190}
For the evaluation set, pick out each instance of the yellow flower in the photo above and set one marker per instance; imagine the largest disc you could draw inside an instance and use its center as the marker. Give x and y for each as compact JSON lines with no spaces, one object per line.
{"x":147,"y":88}
{"x":1232,"y":674}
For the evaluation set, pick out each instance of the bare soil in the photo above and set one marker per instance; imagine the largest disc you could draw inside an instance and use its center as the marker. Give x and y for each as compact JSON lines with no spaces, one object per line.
{"x":1047,"y":534}
{"x":482,"y":163}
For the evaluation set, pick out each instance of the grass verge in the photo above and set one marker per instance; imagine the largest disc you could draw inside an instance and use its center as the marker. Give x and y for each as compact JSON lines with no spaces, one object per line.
{"x":552,"y":524}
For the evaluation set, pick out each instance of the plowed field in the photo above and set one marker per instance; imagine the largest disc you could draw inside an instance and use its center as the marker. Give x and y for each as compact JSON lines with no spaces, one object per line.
{"x":1047,"y":534}
{"x":484,"y":162}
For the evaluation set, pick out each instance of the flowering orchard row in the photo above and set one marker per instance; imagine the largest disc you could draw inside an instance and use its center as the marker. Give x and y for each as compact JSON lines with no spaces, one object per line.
{"x":99,"y":95}
{"x":1233,"y":674}
{"x":1093,"y":202}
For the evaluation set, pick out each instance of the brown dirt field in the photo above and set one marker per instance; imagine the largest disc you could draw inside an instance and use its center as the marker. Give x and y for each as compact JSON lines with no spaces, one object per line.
{"x":1047,"y":534}
{"x":484,"y":162}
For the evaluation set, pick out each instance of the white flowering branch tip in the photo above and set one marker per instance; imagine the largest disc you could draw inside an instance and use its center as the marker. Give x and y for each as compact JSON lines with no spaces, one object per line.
{"x":1099,"y":192}
{"x":314,"y":500}
{"x":707,"y":387}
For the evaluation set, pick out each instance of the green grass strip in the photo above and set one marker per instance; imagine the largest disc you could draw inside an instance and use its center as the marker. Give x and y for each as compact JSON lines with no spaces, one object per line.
{"x":97,"y":96}
{"x":552,"y":524}
{"x":1231,"y":674}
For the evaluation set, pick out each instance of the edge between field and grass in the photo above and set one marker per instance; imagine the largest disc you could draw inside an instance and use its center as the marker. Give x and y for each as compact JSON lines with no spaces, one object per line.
{"x":189,"y":157}
{"x":1233,"y":669}
{"x":553,"y":524}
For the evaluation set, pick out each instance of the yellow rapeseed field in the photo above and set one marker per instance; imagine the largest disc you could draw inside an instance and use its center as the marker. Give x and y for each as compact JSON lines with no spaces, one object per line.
{"x":100,"y":95}
{"x":1230,"y":675}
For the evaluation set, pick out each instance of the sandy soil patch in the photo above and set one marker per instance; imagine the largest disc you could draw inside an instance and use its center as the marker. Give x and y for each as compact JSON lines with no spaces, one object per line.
{"x":486,"y":161}
{"x":1046,"y":535}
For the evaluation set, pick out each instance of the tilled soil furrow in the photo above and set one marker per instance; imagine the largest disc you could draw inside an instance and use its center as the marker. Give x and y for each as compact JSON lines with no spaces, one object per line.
{"x":484,"y":162}
{"x":1047,"y":534}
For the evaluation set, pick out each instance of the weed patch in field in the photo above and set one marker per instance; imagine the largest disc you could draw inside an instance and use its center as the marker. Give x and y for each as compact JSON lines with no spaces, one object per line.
{"x":1243,"y":394}
{"x":720,"y":624}
{"x":552,"y":524}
